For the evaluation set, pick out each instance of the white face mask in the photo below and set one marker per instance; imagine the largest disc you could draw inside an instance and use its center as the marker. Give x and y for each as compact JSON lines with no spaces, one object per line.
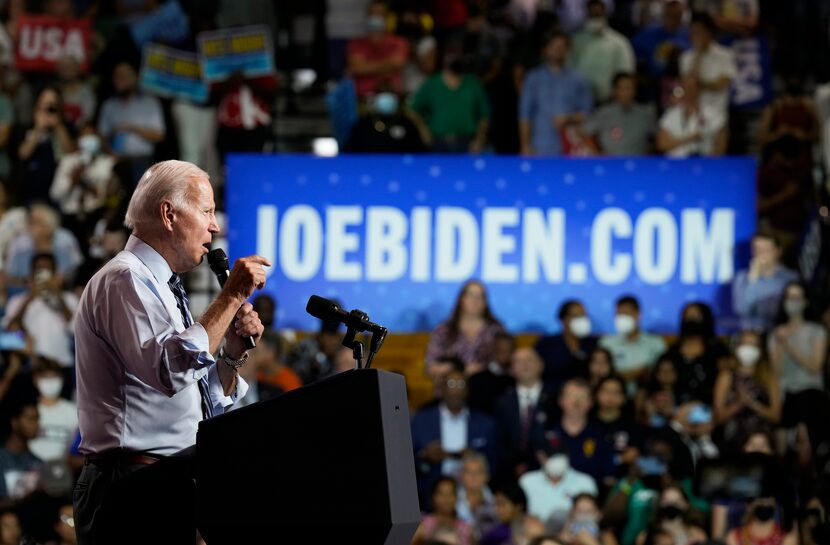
{"x":595,"y":24}
{"x":624,"y":324}
{"x":748,"y":354}
{"x":580,"y":326}
{"x":50,"y":387}
{"x":89,"y":144}
{"x":794,"y":307}
{"x":557,"y":465}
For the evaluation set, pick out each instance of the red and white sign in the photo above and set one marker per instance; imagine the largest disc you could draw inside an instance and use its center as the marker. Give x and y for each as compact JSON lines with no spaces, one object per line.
{"x":43,"y":41}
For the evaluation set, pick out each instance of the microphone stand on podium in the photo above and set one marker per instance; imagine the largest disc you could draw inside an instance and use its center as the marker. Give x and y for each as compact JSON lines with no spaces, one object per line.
{"x":329,"y":462}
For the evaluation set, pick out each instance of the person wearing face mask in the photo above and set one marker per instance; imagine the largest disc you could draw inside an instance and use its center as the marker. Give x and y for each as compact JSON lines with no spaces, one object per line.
{"x":384,"y":128}
{"x":83,"y":181}
{"x":566,"y":353}
{"x":634,"y":351}
{"x":377,"y":57}
{"x":550,"y":490}
{"x":671,"y":515}
{"x":798,"y":348}
{"x":58,"y":416}
{"x":697,"y":354}
{"x":747,"y":396}
{"x":600,"y":52}
{"x":583,"y":525}
{"x":761,"y":528}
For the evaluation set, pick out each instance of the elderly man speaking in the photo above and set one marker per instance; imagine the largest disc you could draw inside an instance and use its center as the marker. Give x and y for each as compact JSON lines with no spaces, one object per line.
{"x":147,"y":372}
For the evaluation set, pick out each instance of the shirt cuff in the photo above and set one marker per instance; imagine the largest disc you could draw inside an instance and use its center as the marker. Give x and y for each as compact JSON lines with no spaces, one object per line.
{"x":217,"y":391}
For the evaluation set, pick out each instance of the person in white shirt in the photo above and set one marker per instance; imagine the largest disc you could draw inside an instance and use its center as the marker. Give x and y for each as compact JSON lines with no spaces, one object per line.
{"x":692,"y":128}
{"x":58,"y":416}
{"x":550,"y":490}
{"x":710,"y":63}
{"x":146,"y":370}
{"x":45,"y":312}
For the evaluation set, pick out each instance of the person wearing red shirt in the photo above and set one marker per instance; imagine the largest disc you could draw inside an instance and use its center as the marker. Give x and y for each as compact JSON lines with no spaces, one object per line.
{"x":378,"y":57}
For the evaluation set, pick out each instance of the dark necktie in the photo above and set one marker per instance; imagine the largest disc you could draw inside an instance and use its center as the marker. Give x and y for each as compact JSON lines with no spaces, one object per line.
{"x":526,"y":421}
{"x":176,"y":287}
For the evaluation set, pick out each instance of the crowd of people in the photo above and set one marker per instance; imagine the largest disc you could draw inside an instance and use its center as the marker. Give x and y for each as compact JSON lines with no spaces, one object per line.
{"x":627,"y":438}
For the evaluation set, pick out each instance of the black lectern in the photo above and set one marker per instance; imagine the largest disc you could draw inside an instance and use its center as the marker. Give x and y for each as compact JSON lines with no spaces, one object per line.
{"x":331,"y":462}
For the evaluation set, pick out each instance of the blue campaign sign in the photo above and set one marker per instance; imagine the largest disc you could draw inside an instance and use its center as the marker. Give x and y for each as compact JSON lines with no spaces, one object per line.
{"x":248,"y":50}
{"x":396,"y":236}
{"x":170,"y":72}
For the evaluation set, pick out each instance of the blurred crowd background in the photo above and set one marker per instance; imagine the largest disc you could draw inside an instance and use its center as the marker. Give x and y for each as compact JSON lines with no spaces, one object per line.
{"x":581,"y":437}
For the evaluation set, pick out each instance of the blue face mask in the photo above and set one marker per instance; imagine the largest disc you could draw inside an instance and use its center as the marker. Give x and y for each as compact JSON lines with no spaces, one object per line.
{"x":657,"y":421}
{"x":376,"y":24}
{"x":386,"y":103}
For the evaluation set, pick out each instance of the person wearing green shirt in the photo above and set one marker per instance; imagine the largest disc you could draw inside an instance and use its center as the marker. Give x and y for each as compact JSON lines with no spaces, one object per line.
{"x":454,"y":109}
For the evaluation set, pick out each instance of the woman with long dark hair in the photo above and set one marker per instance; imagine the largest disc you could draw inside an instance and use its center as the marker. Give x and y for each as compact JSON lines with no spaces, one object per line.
{"x":468,"y":334}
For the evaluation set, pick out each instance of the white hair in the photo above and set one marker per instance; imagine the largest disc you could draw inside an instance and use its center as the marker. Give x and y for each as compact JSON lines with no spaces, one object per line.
{"x":167,"y":180}
{"x":48,"y":214}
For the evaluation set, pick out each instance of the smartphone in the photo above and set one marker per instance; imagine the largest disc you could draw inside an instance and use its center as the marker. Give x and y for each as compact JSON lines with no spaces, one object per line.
{"x":651,"y":465}
{"x":12,"y":341}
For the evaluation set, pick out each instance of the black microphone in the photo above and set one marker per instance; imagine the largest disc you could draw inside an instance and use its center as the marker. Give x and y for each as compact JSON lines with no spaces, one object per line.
{"x":329,"y":311}
{"x":218,"y":261}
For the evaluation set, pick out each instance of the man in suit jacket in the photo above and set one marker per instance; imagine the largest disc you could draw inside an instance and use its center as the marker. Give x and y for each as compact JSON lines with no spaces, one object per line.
{"x":441,"y":433}
{"x":521,"y":414}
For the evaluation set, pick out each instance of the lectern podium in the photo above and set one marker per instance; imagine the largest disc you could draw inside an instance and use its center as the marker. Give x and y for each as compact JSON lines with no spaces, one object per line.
{"x":331,"y":462}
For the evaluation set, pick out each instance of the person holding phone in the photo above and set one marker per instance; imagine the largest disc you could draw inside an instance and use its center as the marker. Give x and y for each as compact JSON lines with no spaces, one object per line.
{"x":584,"y":524}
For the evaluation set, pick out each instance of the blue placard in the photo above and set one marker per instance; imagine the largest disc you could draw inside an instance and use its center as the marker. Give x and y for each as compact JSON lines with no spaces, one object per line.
{"x":245,"y":49}
{"x":170,"y":72}
{"x":396,"y":236}
{"x":752,"y":87}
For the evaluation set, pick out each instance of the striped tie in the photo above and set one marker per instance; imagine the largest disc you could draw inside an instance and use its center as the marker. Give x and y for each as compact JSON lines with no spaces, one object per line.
{"x":176,"y":287}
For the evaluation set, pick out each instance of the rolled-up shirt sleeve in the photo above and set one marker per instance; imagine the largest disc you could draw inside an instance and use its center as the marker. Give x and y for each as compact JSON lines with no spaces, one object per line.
{"x":218,"y":398}
{"x":141,"y":331}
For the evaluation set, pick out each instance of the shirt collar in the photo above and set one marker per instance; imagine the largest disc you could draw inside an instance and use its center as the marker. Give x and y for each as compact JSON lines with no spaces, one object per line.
{"x":151,"y":258}
{"x":446,"y":414}
{"x":534,"y":391}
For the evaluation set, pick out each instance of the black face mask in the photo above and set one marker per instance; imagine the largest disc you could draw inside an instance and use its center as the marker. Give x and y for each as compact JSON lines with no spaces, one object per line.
{"x":671,"y":512}
{"x":457,"y":66}
{"x":764,"y":513}
{"x":692,"y":328}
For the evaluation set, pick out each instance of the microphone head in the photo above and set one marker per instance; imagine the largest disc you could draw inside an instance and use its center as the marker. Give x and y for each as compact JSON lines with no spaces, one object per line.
{"x":321,"y":308}
{"x":218,"y":261}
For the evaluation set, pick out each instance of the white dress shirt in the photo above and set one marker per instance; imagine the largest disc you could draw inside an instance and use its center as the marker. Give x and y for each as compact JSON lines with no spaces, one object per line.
{"x":453,"y":438}
{"x":546,"y":499}
{"x":137,"y":366}
{"x":528,"y":397}
{"x":716,"y":62}
{"x":45,"y":323}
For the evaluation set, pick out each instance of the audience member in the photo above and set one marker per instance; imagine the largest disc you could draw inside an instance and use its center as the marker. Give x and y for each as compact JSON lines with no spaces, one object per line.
{"x":552,"y":97}
{"x":692,"y":128}
{"x":600,"y":52}
{"x":521,"y":415}
{"x":487,"y":386}
{"x":272,"y":375}
{"x":58,"y":416}
{"x":454,"y":108}
{"x":442,"y":433}
{"x":13,"y":222}
{"x":710,"y":64}
{"x":565,"y":354}
{"x":313,"y":357}
{"x":468,"y":333}
{"x":41,"y":147}
{"x":583,"y":524}
{"x":698,"y":354}
{"x":443,"y":520}
{"x":757,"y":291}
{"x":792,"y":114}
{"x":747,"y":397}
{"x":672,"y":515}
{"x":18,"y":466}
{"x":693,"y":424}
{"x":600,"y":365}
{"x":64,"y":525}
{"x":622,"y":433}
{"x":10,"y":531}
{"x":623,"y":127}
{"x":476,"y":503}
{"x":657,"y":400}
{"x":634,"y":350}
{"x":79,"y":100}
{"x":7,"y":118}
{"x":654,"y":44}
{"x":515,"y":526}
{"x":384,"y":128}
{"x":377,"y":57}
{"x":761,"y":528}
{"x":550,"y":491}
{"x":345,"y":20}
{"x":131,"y":122}
{"x":45,"y":312}
{"x":83,"y":182}
{"x":577,"y":436}
{"x":798,"y":352}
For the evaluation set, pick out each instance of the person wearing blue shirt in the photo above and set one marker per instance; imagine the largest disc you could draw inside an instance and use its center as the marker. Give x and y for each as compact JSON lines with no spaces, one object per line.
{"x":553,"y":96}
{"x":653,"y":45}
